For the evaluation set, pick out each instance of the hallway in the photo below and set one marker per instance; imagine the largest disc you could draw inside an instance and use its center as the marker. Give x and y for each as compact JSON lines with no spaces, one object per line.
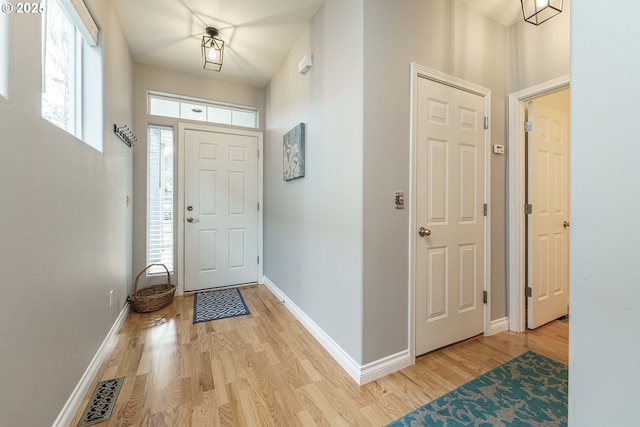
{"x":265,"y":369}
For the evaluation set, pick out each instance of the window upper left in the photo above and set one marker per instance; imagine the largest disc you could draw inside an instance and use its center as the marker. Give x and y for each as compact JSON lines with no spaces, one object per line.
{"x":70,"y":101}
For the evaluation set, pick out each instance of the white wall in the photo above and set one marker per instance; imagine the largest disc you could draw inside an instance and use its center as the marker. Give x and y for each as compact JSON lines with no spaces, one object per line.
{"x":539,"y":54}
{"x":148,"y":78}
{"x":313,"y":225}
{"x":65,"y":227}
{"x":605,"y":259}
{"x":452,"y":38}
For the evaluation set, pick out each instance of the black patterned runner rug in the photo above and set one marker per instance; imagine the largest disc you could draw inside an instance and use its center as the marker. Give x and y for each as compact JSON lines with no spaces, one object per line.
{"x":218,"y":304}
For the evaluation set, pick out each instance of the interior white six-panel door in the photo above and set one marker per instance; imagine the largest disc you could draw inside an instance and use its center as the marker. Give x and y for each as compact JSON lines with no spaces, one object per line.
{"x":450,"y":198}
{"x":548,"y":223}
{"x":221,"y":196}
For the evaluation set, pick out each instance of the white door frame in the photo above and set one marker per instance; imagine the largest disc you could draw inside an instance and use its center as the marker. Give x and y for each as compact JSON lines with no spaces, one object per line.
{"x":516,"y":197}
{"x":182,"y":128}
{"x":419,"y":71}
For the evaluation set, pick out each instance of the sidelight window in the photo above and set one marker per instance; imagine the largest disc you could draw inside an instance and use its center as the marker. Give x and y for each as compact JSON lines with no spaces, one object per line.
{"x":160,"y":199}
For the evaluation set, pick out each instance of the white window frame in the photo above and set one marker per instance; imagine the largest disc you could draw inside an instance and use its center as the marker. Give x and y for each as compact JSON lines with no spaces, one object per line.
{"x":204,"y":103}
{"x":86,"y":123}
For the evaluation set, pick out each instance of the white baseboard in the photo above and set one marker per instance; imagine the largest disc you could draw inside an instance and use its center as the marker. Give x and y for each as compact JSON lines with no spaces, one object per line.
{"x":73,"y":403}
{"x":385,"y":366}
{"x":499,"y":325}
{"x":360,"y":374}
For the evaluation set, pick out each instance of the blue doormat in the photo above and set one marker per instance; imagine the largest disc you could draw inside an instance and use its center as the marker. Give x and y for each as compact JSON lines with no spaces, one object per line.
{"x":218,"y":304}
{"x":530,"y":390}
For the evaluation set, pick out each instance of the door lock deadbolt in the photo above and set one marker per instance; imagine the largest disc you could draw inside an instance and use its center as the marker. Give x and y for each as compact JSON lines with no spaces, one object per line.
{"x":189,"y":208}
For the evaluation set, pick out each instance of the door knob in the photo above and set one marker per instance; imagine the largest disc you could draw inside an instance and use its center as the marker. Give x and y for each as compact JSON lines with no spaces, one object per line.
{"x":424,"y":232}
{"x":191,"y":219}
{"x":565,"y":224}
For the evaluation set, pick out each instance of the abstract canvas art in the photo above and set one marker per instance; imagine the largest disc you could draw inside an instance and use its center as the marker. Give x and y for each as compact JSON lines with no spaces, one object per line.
{"x":293,"y":153}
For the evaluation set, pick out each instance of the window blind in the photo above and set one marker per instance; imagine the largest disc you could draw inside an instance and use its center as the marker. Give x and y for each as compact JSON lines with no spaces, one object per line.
{"x":160,"y":198}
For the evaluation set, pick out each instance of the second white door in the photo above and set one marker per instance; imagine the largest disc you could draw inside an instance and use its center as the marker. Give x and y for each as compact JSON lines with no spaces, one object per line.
{"x":548,"y":220}
{"x":450,"y":191}
{"x":221,"y":209}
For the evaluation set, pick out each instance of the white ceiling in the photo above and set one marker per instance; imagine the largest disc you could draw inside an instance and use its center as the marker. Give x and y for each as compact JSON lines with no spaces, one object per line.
{"x":258,"y":34}
{"x":504,"y":12}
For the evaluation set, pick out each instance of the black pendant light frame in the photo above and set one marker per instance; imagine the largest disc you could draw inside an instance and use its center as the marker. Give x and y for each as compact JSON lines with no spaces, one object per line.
{"x":536,"y":15}
{"x":212,"y":42}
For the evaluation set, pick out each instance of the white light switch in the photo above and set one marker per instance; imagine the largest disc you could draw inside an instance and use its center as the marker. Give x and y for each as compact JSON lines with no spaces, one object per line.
{"x":498,"y":149}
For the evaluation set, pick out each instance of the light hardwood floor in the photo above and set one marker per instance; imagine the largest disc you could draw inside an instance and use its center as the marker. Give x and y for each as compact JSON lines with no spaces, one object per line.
{"x":265,"y":369}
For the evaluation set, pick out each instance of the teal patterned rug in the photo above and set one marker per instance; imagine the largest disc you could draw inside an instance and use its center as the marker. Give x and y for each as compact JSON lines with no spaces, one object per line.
{"x":530,"y":390}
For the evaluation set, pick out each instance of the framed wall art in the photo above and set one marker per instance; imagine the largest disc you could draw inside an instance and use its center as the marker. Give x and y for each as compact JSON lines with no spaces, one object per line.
{"x":293,"y":153}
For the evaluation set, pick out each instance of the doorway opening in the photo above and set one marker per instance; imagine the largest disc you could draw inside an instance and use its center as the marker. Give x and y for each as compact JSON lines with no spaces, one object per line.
{"x":219,"y":210}
{"x":547,"y":213}
{"x":449,"y":229}
{"x":520,"y":267}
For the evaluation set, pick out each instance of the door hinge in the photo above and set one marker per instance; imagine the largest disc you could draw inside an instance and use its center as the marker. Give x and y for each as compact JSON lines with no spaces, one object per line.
{"x":486,"y":122}
{"x":258,"y":205}
{"x":258,"y":260}
{"x":485,"y":209}
{"x":258,"y":153}
{"x":484,"y":296}
{"x":528,"y":291}
{"x":528,"y":209}
{"x":528,"y":126}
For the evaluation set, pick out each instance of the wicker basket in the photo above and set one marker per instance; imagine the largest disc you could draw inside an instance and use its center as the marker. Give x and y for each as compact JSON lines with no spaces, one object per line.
{"x":153,"y":297}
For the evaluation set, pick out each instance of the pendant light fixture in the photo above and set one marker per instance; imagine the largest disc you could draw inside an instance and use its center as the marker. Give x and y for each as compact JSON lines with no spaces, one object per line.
{"x":538,"y":11}
{"x":212,"y":50}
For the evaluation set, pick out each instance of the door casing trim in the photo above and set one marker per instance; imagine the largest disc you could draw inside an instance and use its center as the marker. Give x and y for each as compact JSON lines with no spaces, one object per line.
{"x":182,"y":128}
{"x":418,"y":71}
{"x":516,"y":197}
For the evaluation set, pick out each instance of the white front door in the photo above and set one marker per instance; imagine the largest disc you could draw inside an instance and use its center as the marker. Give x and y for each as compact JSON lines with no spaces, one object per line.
{"x":450,"y":196}
{"x":548,"y":226}
{"x":221,"y":209}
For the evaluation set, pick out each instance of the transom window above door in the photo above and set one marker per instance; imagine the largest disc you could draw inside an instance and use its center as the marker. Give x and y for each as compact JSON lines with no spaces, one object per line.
{"x":204,"y":110}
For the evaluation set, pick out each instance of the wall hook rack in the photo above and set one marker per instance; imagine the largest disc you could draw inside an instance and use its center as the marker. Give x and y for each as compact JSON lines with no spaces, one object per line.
{"x":125,"y":134}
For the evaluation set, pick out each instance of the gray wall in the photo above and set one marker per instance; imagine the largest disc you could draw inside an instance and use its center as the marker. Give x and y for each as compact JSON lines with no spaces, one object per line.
{"x":440,"y":34}
{"x":452,"y":38}
{"x":313,"y":226}
{"x":65,"y":227}
{"x":147,"y":78}
{"x":539,"y":54}
{"x":605,"y":260}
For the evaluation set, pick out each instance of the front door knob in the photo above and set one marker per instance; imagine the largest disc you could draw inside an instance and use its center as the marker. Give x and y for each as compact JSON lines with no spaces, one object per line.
{"x":565,"y":224}
{"x":424,"y":232}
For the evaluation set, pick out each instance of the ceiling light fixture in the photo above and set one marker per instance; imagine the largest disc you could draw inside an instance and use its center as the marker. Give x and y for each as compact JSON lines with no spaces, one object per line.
{"x":212,"y":50}
{"x":538,"y":11}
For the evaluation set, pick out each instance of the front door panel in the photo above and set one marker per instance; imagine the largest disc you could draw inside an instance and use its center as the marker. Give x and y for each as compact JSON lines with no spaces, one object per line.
{"x":221,"y":193}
